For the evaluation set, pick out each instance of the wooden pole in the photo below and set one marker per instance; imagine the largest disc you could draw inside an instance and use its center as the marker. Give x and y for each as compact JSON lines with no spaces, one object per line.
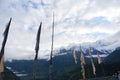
{"x":51,"y":62}
{"x":2,"y":75}
{"x":35,"y":67}
{"x":103,"y":71}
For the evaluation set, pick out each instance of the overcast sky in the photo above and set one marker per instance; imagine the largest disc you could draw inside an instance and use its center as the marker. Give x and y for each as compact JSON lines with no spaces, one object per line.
{"x":76,"y":21}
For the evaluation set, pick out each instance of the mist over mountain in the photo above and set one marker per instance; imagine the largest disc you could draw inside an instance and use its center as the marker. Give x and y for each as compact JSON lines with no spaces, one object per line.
{"x":63,"y":63}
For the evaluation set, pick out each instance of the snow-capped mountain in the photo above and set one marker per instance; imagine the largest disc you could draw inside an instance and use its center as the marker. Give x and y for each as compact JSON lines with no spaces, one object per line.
{"x":108,"y":44}
{"x":104,"y":46}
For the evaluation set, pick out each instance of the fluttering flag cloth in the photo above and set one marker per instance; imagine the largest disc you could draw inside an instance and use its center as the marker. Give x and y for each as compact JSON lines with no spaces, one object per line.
{"x":93,"y":66}
{"x":82,"y":64}
{"x":99,"y":59}
{"x":100,"y":62}
{"x":94,"y":69}
{"x":75,"y":56}
{"x":83,"y":71}
{"x":82,"y":58}
{"x":36,"y":51}
{"x":3,"y":46}
{"x":2,"y":65}
{"x":5,"y":39}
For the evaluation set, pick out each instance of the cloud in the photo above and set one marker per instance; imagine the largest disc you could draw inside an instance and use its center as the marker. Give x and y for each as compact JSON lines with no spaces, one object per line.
{"x":106,"y":8}
{"x":75,"y":22}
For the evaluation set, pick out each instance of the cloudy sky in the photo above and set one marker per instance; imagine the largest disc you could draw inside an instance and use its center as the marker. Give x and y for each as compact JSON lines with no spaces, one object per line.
{"x":76,"y":21}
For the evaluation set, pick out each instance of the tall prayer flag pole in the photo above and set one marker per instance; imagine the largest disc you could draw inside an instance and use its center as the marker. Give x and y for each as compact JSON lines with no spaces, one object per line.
{"x":36,"y":51}
{"x":51,"y":62}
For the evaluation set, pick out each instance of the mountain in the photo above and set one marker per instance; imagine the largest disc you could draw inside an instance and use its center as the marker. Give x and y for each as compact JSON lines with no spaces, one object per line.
{"x":114,"y":57}
{"x":85,"y":49}
{"x":64,"y":67}
{"x":9,"y":75}
{"x":112,"y":62}
{"x":23,"y":67}
{"x":63,"y":64}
